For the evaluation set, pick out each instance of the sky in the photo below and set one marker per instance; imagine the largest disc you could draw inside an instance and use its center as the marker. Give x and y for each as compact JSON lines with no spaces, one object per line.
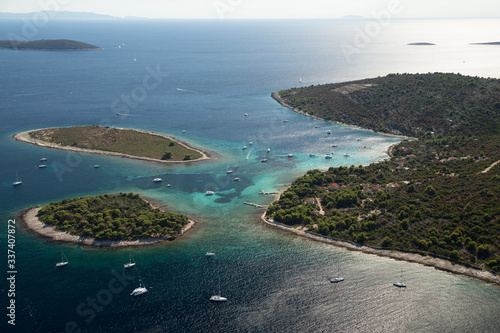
{"x":236,"y":9}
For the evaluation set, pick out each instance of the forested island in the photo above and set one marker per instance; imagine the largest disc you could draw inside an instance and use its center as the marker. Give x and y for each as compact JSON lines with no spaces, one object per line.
{"x":439,"y":194}
{"x":107,"y":217}
{"x":421,"y":44}
{"x":114,"y":141}
{"x":47,"y":44}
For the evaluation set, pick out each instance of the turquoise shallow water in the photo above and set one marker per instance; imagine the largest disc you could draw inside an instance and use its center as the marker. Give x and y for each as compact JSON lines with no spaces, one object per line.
{"x":275,"y":282}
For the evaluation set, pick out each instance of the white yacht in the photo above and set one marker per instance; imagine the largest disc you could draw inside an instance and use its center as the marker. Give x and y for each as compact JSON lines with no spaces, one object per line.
{"x":236,"y":179}
{"x":131,"y":263}
{"x":244,"y":147}
{"x":400,"y":284}
{"x":337,"y":279}
{"x":347,"y":155}
{"x":64,"y":260}
{"x":209,"y":254}
{"x":43,"y":159}
{"x":218,"y":298}
{"x":246,"y":114}
{"x":209,"y":193}
{"x":139,"y":290}
{"x":327,"y":156}
{"x":334,"y":145}
{"x":157,"y":180}
{"x":250,"y":143}
{"x":18,"y":181}
{"x":289,"y":155}
{"x":264,"y":160}
{"x":229,"y":171}
{"x":328,"y":132}
{"x":268,"y":150}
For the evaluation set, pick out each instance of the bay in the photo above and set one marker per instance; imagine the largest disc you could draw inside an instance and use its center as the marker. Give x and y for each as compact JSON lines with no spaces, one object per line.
{"x":202,"y":77}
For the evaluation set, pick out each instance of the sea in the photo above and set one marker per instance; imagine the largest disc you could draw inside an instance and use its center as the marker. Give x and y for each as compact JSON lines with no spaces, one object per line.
{"x":196,"y":80}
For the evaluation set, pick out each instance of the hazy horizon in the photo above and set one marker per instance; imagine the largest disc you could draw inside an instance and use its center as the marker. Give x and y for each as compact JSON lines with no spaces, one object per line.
{"x":260,"y":9}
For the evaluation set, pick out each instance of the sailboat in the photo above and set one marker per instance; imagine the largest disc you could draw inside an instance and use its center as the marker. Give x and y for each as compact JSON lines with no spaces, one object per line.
{"x":337,"y":279}
{"x":131,"y":263}
{"x":400,"y":284}
{"x":218,"y":298}
{"x":139,"y":290}
{"x":18,"y":181}
{"x":64,"y":260}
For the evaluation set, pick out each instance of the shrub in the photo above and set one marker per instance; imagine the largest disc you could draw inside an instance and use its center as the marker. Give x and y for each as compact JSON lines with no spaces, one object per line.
{"x":387,"y":242}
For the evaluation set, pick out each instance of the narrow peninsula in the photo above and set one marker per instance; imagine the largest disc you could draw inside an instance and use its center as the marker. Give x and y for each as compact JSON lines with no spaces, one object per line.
{"x":435,"y":201}
{"x":107,"y":220}
{"x":47,"y":44}
{"x":129,"y":143}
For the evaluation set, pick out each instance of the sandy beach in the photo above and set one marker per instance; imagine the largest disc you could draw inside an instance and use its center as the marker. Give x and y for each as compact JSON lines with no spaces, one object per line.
{"x":437,"y":263}
{"x":34,"y":225}
{"x":25,"y":137}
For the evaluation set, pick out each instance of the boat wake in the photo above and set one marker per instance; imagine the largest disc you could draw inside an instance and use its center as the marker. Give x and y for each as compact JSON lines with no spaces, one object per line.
{"x":180,"y":89}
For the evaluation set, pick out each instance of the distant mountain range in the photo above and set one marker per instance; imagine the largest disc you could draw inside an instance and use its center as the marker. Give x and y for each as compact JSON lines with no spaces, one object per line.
{"x":65,"y":15}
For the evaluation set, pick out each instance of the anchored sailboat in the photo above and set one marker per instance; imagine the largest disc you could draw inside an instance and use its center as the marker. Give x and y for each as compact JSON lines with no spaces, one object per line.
{"x":400,"y":284}
{"x":64,"y":260}
{"x":18,"y":181}
{"x":131,"y":263}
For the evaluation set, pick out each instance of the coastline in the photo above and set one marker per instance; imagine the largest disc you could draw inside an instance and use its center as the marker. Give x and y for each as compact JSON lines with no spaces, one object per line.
{"x":26,"y":137}
{"x":426,"y":260}
{"x":33,"y":225}
{"x":437,"y":263}
{"x":276,"y":96}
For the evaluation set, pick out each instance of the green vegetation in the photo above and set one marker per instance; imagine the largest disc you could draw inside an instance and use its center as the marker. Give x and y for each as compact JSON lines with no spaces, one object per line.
{"x":408,"y":104}
{"x":124,"y":141}
{"x":432,"y":196}
{"x":47,"y":44}
{"x":123,"y":216}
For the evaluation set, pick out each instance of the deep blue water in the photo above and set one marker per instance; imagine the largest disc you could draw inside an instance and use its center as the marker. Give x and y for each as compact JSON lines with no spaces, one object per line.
{"x":202,"y":76}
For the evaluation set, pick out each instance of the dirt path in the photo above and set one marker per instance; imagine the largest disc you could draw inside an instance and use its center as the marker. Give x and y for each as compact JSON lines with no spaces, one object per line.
{"x":491,"y":166}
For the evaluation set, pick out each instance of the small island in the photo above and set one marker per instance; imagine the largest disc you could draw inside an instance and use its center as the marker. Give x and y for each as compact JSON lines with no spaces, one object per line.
{"x":421,"y":44}
{"x":47,"y":44}
{"x":487,"y":43}
{"x":435,"y":200}
{"x":129,"y":143}
{"x":107,"y":220}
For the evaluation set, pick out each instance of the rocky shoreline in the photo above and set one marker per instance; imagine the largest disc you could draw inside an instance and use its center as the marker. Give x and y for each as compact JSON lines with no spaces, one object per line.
{"x":428,"y":260}
{"x":31,"y":222}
